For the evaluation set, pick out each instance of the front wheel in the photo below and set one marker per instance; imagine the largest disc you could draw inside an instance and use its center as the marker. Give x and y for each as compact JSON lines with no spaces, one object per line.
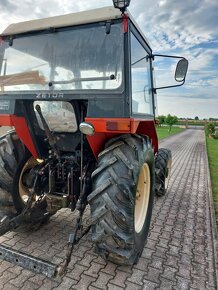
{"x":122,"y":198}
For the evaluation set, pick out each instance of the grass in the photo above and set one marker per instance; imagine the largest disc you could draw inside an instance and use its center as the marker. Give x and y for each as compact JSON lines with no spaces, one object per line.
{"x":212,"y":151}
{"x":163,"y":132}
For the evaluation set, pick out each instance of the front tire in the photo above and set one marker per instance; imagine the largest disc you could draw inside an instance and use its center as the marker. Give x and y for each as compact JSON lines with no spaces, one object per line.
{"x":122,"y":198}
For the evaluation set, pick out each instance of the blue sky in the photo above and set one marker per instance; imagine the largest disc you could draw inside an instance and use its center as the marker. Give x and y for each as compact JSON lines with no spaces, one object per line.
{"x":187,"y":28}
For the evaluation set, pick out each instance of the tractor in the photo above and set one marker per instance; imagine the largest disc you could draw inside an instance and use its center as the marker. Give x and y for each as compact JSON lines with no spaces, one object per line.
{"x":78,"y":91}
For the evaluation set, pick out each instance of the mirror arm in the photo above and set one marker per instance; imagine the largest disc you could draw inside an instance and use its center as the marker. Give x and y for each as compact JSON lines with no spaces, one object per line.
{"x":164,"y":55}
{"x":167,"y":87}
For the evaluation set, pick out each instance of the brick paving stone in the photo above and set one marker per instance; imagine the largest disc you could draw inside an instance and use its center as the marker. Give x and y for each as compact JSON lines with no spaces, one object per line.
{"x":28,"y":285}
{"x":199,"y":282}
{"x":93,"y":288}
{"x":171,"y":261}
{"x":110,"y":268}
{"x":77,"y":271}
{"x":142,"y":264}
{"x":25,"y":275}
{"x":157,"y":262}
{"x":66,"y":284}
{"x":120,"y":278}
{"x":148,"y":285}
{"x":178,"y":253}
{"x":48,"y":284}
{"x":16,"y":270}
{"x":124,"y":268}
{"x":161,"y":252}
{"x":4,"y":266}
{"x":8,"y":286}
{"x":133,"y":286}
{"x":94,"y":269}
{"x":164,"y":243}
{"x":166,"y":284}
{"x":100,"y":260}
{"x":153,"y":275}
{"x":37,"y":279}
{"x":86,"y":260}
{"x":113,"y":287}
{"x":147,"y":253}
{"x":6,"y":277}
{"x":137,"y":277}
{"x":182,"y":283}
{"x":169,"y":273}
{"x":84,"y":282}
{"x":102,"y":280}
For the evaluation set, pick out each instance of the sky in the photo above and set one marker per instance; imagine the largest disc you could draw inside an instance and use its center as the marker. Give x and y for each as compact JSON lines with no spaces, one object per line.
{"x":175,"y":27}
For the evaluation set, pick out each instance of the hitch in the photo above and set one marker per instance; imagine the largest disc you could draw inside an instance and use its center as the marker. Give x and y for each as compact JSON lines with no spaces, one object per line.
{"x":32,"y":263}
{"x":28,"y":262}
{"x":22,"y":259}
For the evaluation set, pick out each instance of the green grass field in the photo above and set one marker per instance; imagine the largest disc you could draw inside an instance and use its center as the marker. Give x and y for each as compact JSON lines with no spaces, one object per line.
{"x":212,"y":149}
{"x":163,"y":132}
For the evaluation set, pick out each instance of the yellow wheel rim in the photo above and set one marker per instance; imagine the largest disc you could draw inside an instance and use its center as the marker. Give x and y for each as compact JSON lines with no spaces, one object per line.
{"x":167,"y":179}
{"x":142,"y":197}
{"x":24,"y":190}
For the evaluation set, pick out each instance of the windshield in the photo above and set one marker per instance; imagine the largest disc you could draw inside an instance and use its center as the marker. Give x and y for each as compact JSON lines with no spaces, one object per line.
{"x":83,"y":58}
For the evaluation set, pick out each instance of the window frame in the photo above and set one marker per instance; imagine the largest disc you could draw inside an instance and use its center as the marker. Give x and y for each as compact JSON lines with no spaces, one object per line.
{"x":31,"y":94}
{"x":133,"y":31}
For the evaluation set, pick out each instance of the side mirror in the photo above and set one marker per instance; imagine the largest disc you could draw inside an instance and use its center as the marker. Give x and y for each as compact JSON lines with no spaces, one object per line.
{"x":180,"y":73}
{"x":181,"y":70}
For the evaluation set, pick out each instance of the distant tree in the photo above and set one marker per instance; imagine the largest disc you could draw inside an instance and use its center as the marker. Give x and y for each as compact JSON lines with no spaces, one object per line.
{"x":210,"y":129}
{"x":161,"y":120}
{"x":196,"y":118}
{"x":171,"y":120}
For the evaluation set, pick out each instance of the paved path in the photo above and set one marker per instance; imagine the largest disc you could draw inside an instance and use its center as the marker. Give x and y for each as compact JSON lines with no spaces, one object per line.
{"x":179,"y":251}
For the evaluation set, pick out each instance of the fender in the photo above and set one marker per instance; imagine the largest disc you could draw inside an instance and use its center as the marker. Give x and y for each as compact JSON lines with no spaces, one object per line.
{"x":22,"y":130}
{"x":107,"y":128}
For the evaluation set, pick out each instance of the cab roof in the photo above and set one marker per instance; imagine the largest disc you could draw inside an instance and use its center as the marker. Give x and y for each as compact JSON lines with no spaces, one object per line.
{"x":72,"y":19}
{"x":85,"y":17}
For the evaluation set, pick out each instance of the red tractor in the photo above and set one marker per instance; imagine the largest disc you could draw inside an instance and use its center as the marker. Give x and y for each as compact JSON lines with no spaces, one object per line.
{"x":79,"y":92}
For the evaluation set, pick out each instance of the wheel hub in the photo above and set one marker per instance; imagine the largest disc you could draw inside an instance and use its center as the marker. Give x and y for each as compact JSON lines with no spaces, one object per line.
{"x":23,"y":188}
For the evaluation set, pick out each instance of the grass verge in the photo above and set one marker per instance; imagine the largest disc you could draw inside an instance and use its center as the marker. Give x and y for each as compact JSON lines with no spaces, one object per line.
{"x":212,"y":151}
{"x":163,"y":132}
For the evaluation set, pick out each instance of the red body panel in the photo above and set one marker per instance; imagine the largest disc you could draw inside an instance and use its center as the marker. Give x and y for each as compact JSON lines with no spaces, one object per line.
{"x":22,"y":130}
{"x":136,"y":126}
{"x":105,"y":129}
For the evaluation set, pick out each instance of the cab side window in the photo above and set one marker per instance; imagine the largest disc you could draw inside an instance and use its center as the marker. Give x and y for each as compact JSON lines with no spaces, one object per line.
{"x":141,"y":83}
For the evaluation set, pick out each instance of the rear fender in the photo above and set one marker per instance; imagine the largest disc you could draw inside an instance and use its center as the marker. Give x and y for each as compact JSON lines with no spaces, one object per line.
{"x":22,"y":130}
{"x":106,"y":128}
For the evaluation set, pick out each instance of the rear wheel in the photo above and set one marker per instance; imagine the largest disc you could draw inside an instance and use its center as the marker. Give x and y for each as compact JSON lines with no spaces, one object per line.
{"x":163,"y":163}
{"x":11,"y":153}
{"x":122,"y":198}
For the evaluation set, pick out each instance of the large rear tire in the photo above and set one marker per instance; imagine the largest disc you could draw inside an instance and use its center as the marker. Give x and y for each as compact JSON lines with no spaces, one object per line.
{"x":163,"y":163}
{"x":11,"y":153}
{"x":122,"y":198}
